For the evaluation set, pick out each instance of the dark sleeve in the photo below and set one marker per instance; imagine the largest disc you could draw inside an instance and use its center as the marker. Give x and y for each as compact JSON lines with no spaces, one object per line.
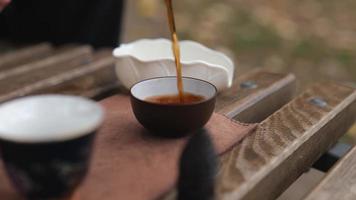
{"x":95,"y":22}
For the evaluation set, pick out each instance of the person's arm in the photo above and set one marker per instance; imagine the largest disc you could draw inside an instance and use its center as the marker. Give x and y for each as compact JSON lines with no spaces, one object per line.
{"x":3,"y":4}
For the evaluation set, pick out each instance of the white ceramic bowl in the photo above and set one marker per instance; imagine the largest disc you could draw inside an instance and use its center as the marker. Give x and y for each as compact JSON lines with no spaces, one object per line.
{"x":150,"y":58}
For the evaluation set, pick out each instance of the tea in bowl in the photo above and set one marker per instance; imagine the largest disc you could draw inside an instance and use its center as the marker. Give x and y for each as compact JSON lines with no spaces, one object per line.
{"x":158,"y":107}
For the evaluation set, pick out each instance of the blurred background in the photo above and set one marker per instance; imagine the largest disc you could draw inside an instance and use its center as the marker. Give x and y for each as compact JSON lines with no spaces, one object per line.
{"x":314,"y":39}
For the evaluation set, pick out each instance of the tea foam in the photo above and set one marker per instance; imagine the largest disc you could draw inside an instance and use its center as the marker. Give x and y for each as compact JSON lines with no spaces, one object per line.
{"x":48,"y":118}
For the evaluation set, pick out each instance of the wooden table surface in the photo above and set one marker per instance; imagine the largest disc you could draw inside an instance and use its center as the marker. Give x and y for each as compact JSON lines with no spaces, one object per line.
{"x":293,"y":132}
{"x":340,"y":182}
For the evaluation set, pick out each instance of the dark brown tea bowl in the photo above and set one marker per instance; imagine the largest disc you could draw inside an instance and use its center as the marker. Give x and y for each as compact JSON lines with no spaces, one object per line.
{"x":172,"y":120}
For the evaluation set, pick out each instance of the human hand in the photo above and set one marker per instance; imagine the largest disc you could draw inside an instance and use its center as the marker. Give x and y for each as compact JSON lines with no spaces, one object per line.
{"x":3,"y":4}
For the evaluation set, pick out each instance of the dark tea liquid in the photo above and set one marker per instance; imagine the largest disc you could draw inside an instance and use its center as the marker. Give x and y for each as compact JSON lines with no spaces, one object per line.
{"x":176,"y":49}
{"x":176,"y":99}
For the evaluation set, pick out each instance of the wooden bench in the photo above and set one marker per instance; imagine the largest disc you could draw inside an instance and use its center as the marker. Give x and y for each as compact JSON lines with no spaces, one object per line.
{"x":293,"y":133}
{"x":70,"y":69}
{"x":340,"y":182}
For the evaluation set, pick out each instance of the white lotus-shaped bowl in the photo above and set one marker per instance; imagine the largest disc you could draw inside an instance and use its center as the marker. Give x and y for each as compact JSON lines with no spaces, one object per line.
{"x":149,"y":58}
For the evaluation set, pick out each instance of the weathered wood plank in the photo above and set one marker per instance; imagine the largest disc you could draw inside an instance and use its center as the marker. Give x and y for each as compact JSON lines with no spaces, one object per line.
{"x":25,"y":55}
{"x":102,"y":92}
{"x":89,"y":80}
{"x":246,"y":100}
{"x":18,"y":81}
{"x":60,"y":57}
{"x":340,"y":182}
{"x":272,"y":88}
{"x":77,"y":77}
{"x":287,"y":143}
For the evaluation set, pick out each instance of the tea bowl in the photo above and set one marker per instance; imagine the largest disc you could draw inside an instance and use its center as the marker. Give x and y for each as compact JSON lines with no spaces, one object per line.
{"x":172,"y":120}
{"x":46,"y":143}
{"x":150,"y":58}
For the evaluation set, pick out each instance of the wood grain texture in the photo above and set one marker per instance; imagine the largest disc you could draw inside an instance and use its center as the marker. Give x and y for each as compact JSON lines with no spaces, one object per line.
{"x":89,"y":80}
{"x":76,"y":77}
{"x":60,"y":56}
{"x":286,"y":144}
{"x":25,"y":55}
{"x":340,"y":182}
{"x":19,"y":81}
{"x":248,"y":104}
{"x":272,"y":89}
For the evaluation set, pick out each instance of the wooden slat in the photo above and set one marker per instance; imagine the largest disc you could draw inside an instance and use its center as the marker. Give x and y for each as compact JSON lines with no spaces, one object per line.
{"x":286,"y":144}
{"x":76,"y":78}
{"x":60,"y":56}
{"x":340,"y":182}
{"x":25,"y":55}
{"x":19,"y":81}
{"x":234,"y":102}
{"x":90,"y":80}
{"x":248,"y":104}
